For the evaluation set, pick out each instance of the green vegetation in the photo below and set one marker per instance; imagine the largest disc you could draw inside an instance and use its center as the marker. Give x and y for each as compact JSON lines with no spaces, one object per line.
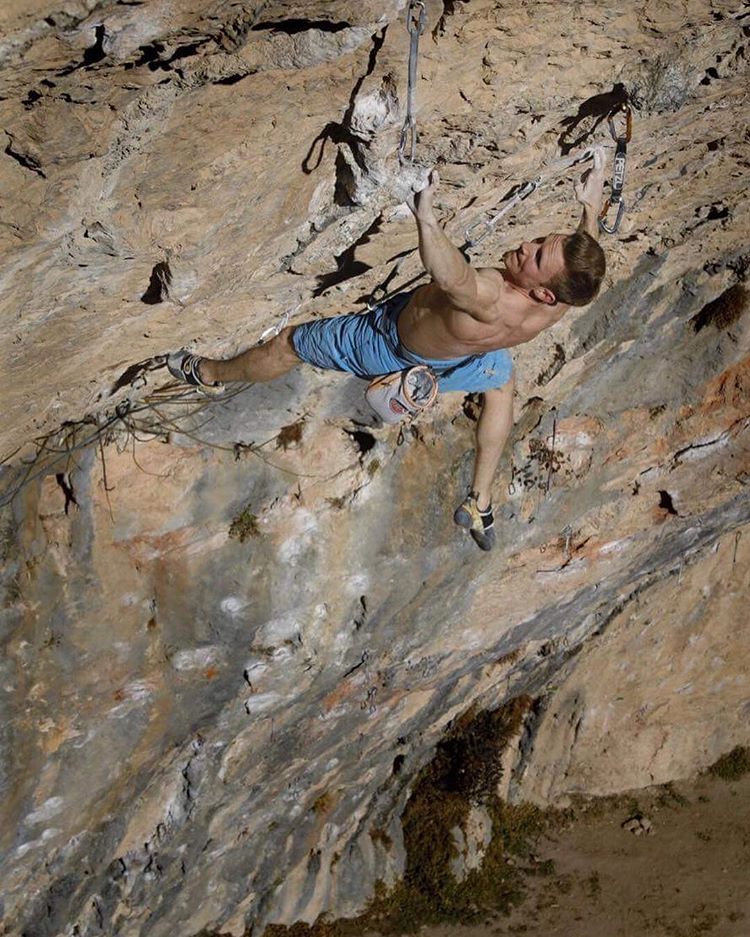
{"x":732,"y":766}
{"x":244,"y":525}
{"x":671,"y":797}
{"x":464,"y":772}
{"x":290,"y":436}
{"x":594,"y":885}
{"x":724,"y":311}
{"x":325,"y":803}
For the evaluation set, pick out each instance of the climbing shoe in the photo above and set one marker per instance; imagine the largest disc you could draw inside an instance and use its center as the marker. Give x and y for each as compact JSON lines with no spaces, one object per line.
{"x":480,"y":524}
{"x":184,"y":367}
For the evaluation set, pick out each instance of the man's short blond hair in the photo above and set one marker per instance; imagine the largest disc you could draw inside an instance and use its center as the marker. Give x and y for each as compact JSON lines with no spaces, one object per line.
{"x":584,"y":270}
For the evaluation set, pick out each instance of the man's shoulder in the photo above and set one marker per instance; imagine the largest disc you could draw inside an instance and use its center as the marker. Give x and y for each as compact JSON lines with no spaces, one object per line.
{"x":492,"y":291}
{"x":491,"y":274}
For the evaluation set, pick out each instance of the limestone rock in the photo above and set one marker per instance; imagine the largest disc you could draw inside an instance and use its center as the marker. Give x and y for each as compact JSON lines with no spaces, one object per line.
{"x":471,"y":842}
{"x":230,"y":647}
{"x":638,"y":825}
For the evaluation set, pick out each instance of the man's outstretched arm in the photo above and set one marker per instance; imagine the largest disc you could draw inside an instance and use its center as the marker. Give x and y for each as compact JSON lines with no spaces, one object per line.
{"x":590,"y":193}
{"x":467,"y":289}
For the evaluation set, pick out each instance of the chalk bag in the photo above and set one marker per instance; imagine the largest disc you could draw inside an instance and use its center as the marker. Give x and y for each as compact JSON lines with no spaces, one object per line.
{"x":394,"y":397}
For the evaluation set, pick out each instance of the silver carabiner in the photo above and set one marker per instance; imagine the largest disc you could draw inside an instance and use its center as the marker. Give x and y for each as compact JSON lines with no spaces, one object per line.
{"x":618,"y":171}
{"x":612,"y":229}
{"x":408,"y":132}
{"x":414,"y":23}
{"x":481,"y":223}
{"x":490,"y":224}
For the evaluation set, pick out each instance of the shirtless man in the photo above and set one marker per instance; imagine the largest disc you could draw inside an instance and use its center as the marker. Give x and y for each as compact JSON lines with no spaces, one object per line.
{"x":461,"y":324}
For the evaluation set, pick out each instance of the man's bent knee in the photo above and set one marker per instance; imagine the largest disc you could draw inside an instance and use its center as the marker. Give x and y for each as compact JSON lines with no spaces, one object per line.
{"x":283,"y":346}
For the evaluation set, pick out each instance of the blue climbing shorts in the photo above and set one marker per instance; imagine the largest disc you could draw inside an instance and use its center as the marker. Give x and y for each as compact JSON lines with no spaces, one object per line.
{"x":367,"y":344}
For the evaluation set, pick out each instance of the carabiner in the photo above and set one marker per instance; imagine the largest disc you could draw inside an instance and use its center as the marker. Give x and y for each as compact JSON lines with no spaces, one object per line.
{"x":490,"y":224}
{"x":612,"y":229}
{"x":415,"y":23}
{"x":618,"y":169}
{"x":477,"y":226}
{"x":408,"y":132}
{"x":622,"y":109}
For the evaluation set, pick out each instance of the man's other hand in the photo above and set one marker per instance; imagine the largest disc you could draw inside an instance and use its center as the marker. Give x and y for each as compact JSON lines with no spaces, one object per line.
{"x":589,"y":188}
{"x":421,"y":202}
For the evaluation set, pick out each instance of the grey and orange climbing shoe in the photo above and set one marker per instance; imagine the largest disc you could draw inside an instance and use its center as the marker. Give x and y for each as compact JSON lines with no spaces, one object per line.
{"x":480,"y":524}
{"x":184,"y":367}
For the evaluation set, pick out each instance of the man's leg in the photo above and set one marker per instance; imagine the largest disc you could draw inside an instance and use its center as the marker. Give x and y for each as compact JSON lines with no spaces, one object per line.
{"x":493,"y":429}
{"x":257,"y":364}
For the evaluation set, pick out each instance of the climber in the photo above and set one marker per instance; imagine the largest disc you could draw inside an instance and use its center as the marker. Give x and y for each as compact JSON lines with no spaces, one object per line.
{"x":461,"y":324}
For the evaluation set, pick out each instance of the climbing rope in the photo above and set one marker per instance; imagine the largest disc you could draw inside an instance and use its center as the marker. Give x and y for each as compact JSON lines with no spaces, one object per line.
{"x":415,"y":23}
{"x":618,"y":171}
{"x":56,"y":450}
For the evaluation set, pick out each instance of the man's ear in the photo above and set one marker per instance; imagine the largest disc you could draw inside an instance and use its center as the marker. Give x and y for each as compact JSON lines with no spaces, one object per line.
{"x":543,"y":294}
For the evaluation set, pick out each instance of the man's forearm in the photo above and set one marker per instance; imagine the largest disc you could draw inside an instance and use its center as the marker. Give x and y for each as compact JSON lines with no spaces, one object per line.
{"x":442,"y":260}
{"x":590,"y":221}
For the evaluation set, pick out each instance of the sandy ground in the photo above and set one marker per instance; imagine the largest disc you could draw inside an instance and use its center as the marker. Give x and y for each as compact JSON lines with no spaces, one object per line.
{"x":689,"y":877}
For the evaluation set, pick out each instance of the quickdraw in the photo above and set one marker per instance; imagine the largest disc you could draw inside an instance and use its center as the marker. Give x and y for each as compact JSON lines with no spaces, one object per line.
{"x":479,"y":230}
{"x":482,"y":227}
{"x":618,"y":171}
{"x":415,"y":23}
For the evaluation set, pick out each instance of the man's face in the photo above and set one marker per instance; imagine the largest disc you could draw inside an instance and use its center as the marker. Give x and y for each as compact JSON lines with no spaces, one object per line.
{"x":536,"y":262}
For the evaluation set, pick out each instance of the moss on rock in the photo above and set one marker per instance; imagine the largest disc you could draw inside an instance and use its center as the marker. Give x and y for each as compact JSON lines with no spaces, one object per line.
{"x":732,"y":766}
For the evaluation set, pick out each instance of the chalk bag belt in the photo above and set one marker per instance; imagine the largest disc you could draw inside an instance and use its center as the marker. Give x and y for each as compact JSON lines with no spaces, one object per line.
{"x":415,"y":23}
{"x":618,"y":172}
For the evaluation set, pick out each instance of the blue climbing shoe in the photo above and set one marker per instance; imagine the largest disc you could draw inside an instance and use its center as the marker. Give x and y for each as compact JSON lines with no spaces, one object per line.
{"x":480,"y":524}
{"x":184,"y":366}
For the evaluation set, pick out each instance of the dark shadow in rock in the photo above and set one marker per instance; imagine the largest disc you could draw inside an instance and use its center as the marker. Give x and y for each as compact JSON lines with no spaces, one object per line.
{"x":338,"y":132}
{"x":723,"y":311}
{"x":131,"y":374}
{"x":596,"y":109}
{"x":292,"y":26}
{"x":232,"y":79}
{"x":158,"y":286}
{"x":345,"y":181}
{"x":362,"y":439}
{"x":31,"y":98}
{"x":332,"y":131}
{"x":346,"y":265}
{"x":66,"y":484}
{"x":558,"y":360}
{"x":666,"y":503}
{"x":25,"y":160}
{"x":151,"y":55}
{"x":92,"y":55}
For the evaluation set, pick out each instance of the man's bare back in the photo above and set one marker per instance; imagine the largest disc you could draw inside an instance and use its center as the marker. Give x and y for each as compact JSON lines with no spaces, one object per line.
{"x":467,"y":311}
{"x":431,"y":326}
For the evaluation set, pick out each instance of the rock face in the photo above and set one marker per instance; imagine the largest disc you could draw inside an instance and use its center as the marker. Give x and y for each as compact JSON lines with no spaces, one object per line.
{"x":234,"y":631}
